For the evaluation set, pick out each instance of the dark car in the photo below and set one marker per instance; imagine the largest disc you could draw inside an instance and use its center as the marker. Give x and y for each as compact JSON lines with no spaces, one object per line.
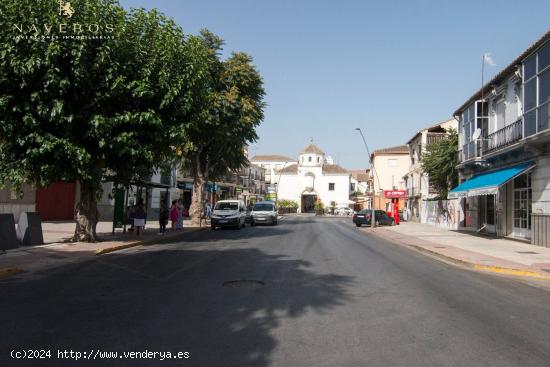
{"x":363,"y":217}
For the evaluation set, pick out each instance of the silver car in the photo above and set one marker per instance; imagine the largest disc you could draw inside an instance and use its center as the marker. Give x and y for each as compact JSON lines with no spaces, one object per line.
{"x":264,"y":212}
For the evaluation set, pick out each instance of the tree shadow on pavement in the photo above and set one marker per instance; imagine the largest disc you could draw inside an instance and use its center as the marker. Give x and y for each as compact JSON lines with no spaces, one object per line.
{"x":170,"y":301}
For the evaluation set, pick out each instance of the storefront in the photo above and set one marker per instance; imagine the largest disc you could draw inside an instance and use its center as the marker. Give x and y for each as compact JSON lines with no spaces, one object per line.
{"x":498,"y":202}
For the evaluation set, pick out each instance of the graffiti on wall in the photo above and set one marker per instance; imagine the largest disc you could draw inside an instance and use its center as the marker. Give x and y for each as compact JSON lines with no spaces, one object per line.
{"x":442,"y":213}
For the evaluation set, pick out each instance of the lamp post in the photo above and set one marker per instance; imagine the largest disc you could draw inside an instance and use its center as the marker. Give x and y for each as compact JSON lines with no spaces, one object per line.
{"x":373,"y":216}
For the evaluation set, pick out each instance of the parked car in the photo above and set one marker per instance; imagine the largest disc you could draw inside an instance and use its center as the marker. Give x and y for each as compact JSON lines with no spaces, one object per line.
{"x":364,"y":217}
{"x":228,"y":213}
{"x":264,"y":212}
{"x":344,"y":211}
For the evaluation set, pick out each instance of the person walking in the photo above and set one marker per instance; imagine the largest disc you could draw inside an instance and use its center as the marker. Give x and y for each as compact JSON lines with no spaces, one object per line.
{"x":179,"y":224}
{"x":207,"y":211}
{"x":139,"y":217}
{"x":174,"y":214}
{"x":163,"y":218}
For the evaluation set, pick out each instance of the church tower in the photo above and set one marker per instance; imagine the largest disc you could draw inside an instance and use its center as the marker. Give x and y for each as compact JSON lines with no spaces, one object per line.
{"x":312,"y":156}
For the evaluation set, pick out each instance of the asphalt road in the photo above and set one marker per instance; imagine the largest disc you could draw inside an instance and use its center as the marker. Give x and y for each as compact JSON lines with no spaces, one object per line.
{"x":332,"y":296}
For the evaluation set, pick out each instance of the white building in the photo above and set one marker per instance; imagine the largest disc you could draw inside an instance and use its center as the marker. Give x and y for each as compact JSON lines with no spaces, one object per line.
{"x":504,"y":151}
{"x":313,"y":179}
{"x":417,"y":182}
{"x":272,"y":163}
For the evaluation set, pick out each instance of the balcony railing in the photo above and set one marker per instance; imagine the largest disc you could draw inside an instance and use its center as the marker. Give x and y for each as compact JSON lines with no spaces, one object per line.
{"x":435,"y":137}
{"x":504,"y":137}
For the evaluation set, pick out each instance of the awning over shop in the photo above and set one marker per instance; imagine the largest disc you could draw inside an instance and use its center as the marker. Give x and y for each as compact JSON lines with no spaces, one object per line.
{"x":488,"y":183}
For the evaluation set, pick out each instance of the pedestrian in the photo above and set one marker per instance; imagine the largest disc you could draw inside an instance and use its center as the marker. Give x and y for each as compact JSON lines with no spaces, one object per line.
{"x":139,"y":217}
{"x":207,"y":211}
{"x":179,"y":224}
{"x":163,"y":217}
{"x":174,"y":214}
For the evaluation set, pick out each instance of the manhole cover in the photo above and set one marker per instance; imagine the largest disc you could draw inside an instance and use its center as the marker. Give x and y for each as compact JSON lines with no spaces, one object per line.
{"x":243,"y":284}
{"x":527,"y":252}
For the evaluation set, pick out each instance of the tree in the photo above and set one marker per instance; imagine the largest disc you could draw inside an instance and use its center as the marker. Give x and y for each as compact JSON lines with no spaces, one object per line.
{"x":93,"y":110}
{"x":440,"y":161}
{"x":215,"y":143}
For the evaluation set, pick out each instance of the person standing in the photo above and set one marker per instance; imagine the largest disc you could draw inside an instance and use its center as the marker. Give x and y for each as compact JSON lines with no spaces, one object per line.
{"x":174,"y":214}
{"x":207,"y":211}
{"x":163,"y":217}
{"x":179,"y":224}
{"x":139,"y":217}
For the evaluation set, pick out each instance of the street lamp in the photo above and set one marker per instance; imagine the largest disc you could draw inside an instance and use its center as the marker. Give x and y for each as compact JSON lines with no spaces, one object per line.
{"x":373,"y":217}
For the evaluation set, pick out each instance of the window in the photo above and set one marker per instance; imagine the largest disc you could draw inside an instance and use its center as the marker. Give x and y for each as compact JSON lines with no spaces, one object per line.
{"x":529,"y":67}
{"x":309,"y":159}
{"x":544,"y":57}
{"x":392,"y":162}
{"x":536,"y":91}
{"x":331,"y":186}
{"x":318,"y":159}
{"x":544,"y":87}
{"x":352,"y":187}
{"x":530,"y":95}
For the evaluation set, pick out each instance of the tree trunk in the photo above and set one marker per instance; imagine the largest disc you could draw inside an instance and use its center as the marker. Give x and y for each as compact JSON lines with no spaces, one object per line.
{"x":197,"y":199}
{"x":86,"y":214}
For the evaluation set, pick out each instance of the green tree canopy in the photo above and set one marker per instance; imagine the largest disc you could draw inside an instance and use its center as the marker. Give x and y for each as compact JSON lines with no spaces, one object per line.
{"x":89,"y":110}
{"x":440,"y":161}
{"x":215,"y":143}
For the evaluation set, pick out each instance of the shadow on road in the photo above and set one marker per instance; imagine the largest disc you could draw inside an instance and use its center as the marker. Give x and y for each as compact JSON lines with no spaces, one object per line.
{"x":169,"y":300}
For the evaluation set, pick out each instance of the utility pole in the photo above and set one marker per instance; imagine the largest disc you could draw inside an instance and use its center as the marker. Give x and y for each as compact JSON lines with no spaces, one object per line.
{"x":373,"y":212}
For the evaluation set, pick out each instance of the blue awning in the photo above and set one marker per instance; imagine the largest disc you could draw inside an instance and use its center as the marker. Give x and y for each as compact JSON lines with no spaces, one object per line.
{"x":488,"y":183}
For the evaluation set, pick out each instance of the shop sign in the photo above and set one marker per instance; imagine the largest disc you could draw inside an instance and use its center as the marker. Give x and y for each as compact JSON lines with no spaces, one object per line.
{"x":395,"y":194}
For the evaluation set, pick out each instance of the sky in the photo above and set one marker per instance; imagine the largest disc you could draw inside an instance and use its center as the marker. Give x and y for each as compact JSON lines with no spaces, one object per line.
{"x":388,"y":67}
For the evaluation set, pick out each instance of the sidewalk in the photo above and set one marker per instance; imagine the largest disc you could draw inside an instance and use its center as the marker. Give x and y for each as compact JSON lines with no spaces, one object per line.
{"x":483,"y":253}
{"x":57,"y":251}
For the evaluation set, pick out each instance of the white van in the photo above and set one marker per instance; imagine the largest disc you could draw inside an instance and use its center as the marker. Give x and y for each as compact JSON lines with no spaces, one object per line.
{"x":264,"y":212}
{"x":228,"y":213}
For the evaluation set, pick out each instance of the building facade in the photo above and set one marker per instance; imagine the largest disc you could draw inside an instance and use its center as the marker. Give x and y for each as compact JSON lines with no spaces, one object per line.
{"x":360,"y":188}
{"x":272,"y":163}
{"x":417,"y":182}
{"x":312,"y":179}
{"x":389,"y":165}
{"x":504,"y":151}
{"x":247,"y":184}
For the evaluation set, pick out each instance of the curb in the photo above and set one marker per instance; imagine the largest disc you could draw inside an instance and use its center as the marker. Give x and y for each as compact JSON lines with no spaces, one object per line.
{"x":8,"y":272}
{"x":484,"y":268}
{"x":146,"y":242}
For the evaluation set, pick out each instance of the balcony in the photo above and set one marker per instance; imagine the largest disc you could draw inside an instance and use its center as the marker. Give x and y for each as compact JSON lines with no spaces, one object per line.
{"x":435,"y":137}
{"x":504,"y":137}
